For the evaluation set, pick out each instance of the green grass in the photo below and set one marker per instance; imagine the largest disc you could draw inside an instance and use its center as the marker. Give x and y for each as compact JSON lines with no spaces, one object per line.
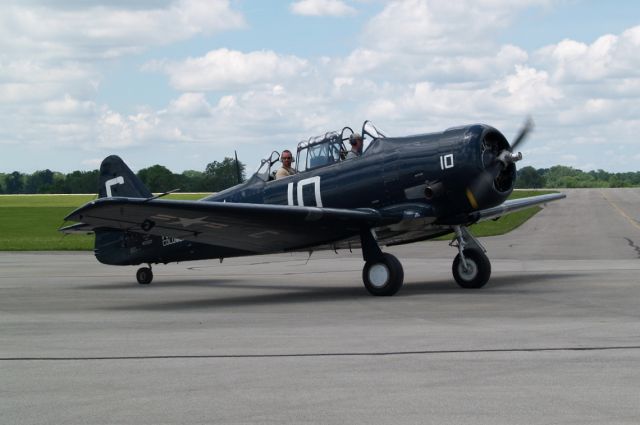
{"x":507,"y":223}
{"x":510,"y":221}
{"x":71,"y":201}
{"x":31,"y":222}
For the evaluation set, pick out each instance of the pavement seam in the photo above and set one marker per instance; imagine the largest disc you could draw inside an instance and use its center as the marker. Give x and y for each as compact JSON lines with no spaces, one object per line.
{"x":346,"y":354}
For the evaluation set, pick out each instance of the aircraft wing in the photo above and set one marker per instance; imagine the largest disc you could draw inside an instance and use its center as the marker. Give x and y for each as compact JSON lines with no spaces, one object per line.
{"x":250,"y":227}
{"x":514,"y":205}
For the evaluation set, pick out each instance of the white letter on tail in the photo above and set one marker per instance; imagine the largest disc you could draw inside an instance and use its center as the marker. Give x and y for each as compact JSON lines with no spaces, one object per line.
{"x":113,"y":182}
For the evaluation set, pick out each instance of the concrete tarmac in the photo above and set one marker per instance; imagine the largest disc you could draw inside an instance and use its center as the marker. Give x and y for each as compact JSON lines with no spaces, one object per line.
{"x":554,"y":337}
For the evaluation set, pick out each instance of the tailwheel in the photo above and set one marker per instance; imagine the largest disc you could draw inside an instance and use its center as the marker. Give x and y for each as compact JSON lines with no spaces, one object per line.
{"x":144,"y":275}
{"x":383,"y":276}
{"x":471,"y":270}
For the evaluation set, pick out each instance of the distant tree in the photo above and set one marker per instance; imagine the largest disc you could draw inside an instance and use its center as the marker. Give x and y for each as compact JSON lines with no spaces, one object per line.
{"x":192,"y":181}
{"x":616,"y":181}
{"x":82,"y":181}
{"x":39,"y":182}
{"x":14,"y":182}
{"x":221,"y":175}
{"x":59,"y":184}
{"x":529,"y":178}
{"x":600,"y":175}
{"x":158,"y":178}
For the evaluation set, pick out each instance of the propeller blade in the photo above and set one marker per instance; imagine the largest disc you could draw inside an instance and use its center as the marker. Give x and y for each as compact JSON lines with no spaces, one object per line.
{"x":524,"y":132}
{"x":480,"y":189}
{"x":495,"y":169}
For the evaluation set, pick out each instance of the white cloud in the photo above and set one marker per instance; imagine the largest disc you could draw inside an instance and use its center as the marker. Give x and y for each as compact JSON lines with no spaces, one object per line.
{"x":55,"y":56}
{"x":321,"y":8}
{"x":223,"y":69}
{"x":114,"y":131}
{"x":422,"y":26}
{"x":192,"y":105}
{"x":362,"y":61}
{"x":68,"y":105}
{"x":525,"y":90}
{"x":610,"y":56}
{"x":108,"y":32}
{"x":24,"y":81}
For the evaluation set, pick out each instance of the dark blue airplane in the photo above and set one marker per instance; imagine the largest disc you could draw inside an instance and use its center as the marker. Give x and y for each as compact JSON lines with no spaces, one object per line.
{"x":399,"y":190}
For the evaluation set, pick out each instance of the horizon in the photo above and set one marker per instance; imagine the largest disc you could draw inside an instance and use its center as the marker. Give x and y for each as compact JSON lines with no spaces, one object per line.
{"x":248,"y":174}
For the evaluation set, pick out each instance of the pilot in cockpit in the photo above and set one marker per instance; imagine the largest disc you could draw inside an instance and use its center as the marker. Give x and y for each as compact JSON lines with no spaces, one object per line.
{"x":286,"y":157}
{"x":355,"y":140}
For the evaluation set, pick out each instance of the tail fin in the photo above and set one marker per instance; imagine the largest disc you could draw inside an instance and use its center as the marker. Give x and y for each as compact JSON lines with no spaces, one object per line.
{"x":116,"y":179}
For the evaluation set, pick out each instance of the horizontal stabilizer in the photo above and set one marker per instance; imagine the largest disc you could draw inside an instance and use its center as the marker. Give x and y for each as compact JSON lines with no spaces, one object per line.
{"x":77,"y":229}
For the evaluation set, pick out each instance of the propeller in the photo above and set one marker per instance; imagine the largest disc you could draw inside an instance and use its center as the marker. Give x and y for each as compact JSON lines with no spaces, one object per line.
{"x":524,"y":132}
{"x":495,"y":164}
{"x":506,"y":156}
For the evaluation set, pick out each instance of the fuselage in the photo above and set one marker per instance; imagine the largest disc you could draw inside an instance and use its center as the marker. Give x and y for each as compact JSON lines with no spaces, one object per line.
{"x":391,"y":171}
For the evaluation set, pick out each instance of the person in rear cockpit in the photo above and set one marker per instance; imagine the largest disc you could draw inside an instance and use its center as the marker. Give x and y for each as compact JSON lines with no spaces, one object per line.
{"x":355,"y":140}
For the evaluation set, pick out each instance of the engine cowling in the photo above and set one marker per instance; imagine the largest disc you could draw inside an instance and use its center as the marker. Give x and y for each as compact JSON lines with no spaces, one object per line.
{"x":496,"y":178}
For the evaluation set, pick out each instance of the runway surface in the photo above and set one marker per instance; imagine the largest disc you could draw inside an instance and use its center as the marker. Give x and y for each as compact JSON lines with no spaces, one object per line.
{"x":554,"y":337}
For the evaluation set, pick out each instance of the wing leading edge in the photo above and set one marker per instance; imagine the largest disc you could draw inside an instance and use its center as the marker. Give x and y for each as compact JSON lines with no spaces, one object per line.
{"x":514,"y":205}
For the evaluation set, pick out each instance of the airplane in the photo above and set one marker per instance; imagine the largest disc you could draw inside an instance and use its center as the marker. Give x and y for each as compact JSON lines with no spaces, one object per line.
{"x":399,"y":190}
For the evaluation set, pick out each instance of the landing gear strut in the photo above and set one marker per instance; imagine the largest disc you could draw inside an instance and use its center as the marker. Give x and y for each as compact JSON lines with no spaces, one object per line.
{"x":382,"y":273}
{"x":471,"y":267}
{"x":144,"y":275}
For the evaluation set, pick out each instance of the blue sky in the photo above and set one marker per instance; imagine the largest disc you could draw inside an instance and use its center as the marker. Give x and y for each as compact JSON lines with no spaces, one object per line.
{"x":185,"y":82}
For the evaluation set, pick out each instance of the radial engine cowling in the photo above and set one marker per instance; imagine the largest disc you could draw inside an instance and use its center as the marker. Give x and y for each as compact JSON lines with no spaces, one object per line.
{"x":495,"y":182}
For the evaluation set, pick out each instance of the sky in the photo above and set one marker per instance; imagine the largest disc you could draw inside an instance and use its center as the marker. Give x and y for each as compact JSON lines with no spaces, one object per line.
{"x":183,"y":83}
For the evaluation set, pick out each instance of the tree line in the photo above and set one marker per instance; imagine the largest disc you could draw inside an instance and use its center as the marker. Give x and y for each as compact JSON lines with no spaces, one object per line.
{"x":561,"y":176}
{"x":216,"y":176}
{"x":221,"y":175}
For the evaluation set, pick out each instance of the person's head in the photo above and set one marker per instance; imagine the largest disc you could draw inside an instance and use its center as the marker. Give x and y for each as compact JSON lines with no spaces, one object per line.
{"x":286,"y":157}
{"x":356,"y":141}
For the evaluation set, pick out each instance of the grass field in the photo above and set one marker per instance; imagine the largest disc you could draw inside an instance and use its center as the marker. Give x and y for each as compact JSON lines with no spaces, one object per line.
{"x":31,"y":222}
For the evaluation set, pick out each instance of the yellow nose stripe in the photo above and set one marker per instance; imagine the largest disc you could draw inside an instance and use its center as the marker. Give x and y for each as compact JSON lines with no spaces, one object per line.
{"x":472,"y":199}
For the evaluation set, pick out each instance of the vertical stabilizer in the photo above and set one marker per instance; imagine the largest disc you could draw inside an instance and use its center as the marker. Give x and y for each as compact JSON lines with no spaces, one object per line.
{"x":116,"y":179}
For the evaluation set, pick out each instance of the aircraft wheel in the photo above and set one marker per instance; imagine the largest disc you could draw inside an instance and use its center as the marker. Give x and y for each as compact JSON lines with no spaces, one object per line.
{"x":144,"y":275}
{"x":383,"y":277}
{"x":478,"y":270}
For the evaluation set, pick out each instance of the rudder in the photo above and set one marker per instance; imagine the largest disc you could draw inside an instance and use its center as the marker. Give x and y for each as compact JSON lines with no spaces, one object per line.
{"x":116,"y":179}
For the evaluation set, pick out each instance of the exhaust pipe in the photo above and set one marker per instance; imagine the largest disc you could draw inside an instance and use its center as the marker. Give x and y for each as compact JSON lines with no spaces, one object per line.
{"x":433,"y":190}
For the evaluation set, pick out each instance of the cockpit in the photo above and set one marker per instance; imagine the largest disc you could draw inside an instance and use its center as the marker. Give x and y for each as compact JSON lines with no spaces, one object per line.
{"x":320,"y":151}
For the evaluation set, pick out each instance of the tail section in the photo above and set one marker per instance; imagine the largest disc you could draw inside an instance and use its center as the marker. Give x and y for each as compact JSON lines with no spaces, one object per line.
{"x":116,"y":179}
{"x":115,"y":246}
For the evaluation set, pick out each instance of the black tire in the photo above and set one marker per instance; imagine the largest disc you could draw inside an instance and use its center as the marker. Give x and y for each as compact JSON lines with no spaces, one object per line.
{"x":383,"y":277}
{"x":144,"y":275}
{"x":479,"y":269}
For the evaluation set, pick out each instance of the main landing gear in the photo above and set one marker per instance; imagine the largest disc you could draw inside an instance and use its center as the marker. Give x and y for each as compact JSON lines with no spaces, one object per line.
{"x":471,"y":267}
{"x":382,"y":273}
{"x":144,"y":275}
